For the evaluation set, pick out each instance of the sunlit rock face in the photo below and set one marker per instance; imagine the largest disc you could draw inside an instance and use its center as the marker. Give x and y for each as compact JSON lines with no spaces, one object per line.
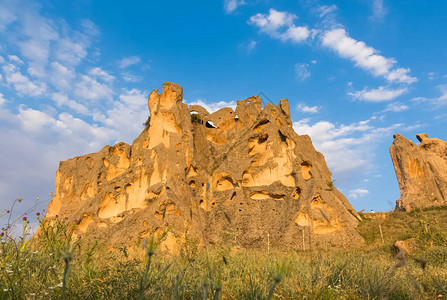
{"x":421,"y":171}
{"x":243,"y":178}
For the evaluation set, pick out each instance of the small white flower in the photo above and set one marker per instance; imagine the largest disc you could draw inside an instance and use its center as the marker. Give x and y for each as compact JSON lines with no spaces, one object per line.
{"x":60,"y":284}
{"x":9,"y":271}
{"x":32,"y":294}
{"x":34,"y":252}
{"x":51,"y":287}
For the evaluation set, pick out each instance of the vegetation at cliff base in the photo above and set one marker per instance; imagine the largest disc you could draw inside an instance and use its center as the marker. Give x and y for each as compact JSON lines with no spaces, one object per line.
{"x":56,"y":264}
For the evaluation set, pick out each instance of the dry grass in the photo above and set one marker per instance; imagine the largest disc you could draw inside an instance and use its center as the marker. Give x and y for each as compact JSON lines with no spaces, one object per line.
{"x":54,"y":266}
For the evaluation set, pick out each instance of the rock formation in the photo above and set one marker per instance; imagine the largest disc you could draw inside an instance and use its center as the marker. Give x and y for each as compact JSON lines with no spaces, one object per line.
{"x":243,"y":178}
{"x":421,"y":171}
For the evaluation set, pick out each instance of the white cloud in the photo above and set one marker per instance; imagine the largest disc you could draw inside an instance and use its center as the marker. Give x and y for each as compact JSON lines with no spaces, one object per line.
{"x":90,"y":88}
{"x":251,"y":45}
{"x":431,"y":75}
{"x":129,"y":61}
{"x":132,"y":105}
{"x":348,"y":149}
{"x":439,"y":101}
{"x":401,"y":75}
{"x":16,"y":59}
{"x":34,"y":121}
{"x":70,"y":51}
{"x":6,"y":16}
{"x":280,"y":25}
{"x":231,"y":5}
{"x":63,"y":100}
{"x":98,"y":72}
{"x":128,"y":77}
{"x":37,"y":34}
{"x":134,"y":98}
{"x":379,"y":10}
{"x":377,"y":95}
{"x":22,"y":84}
{"x":37,"y":141}
{"x":364,"y":56}
{"x":354,"y":194}
{"x":60,"y":76}
{"x":326,"y":10}
{"x":2,"y":100}
{"x":396,"y":107}
{"x":213,"y":107}
{"x":308,"y":109}
{"x":302,"y":71}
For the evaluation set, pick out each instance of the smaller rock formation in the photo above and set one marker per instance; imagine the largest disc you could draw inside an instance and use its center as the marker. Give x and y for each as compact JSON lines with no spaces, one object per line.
{"x":408,"y":246}
{"x":421,"y":171}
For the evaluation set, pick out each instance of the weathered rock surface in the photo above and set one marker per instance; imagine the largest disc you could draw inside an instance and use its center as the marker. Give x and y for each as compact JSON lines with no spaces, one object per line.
{"x":242,"y":177}
{"x":421,"y":171}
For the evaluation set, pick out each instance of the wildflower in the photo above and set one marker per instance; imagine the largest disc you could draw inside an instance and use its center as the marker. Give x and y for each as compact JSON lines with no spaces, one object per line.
{"x":25,"y":218}
{"x":51,"y":287}
{"x":7,"y":211}
{"x":20,"y":199}
{"x":34,"y":252}
{"x":38,"y":213}
{"x":9,"y":271}
{"x":60,"y":284}
{"x":32,"y":294}
{"x":57,"y":216}
{"x":2,"y":233}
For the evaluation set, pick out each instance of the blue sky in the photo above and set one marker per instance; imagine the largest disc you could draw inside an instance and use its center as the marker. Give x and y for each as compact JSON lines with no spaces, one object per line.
{"x":75,"y":76}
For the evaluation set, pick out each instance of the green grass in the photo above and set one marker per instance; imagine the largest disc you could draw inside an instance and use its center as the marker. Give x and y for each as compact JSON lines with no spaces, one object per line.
{"x":428,"y":227}
{"x":55,"y":265}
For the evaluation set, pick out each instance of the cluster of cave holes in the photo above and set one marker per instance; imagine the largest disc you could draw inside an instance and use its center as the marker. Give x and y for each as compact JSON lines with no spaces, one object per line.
{"x":196,"y":118}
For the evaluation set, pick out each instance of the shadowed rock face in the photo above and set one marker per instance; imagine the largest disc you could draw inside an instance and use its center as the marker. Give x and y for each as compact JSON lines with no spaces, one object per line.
{"x":421,"y":171}
{"x":242,"y":177}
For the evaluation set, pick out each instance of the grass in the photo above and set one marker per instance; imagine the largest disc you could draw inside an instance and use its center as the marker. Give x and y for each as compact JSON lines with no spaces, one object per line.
{"x":56,"y":265}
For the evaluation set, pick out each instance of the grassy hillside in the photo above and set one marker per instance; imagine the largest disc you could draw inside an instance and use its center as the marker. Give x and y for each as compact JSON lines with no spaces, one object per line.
{"x":53,"y":265}
{"x":428,"y":227}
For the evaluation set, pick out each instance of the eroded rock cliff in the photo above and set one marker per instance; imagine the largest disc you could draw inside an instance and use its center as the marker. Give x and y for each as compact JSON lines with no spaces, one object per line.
{"x":242,"y":177}
{"x":421,"y":171}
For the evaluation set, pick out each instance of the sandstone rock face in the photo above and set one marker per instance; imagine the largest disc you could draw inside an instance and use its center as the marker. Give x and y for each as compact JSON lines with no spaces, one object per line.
{"x":242,"y":177}
{"x":421,"y":171}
